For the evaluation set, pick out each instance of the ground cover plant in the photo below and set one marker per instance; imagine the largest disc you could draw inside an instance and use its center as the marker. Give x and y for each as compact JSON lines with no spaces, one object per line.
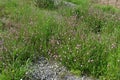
{"x":84,"y":39}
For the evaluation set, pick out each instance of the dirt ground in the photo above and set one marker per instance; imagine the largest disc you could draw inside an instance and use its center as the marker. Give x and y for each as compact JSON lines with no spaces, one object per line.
{"x":115,"y":3}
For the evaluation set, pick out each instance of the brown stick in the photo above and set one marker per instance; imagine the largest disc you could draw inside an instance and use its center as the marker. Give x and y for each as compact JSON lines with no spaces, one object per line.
{"x":107,"y":2}
{"x":116,"y":2}
{"x":100,"y":1}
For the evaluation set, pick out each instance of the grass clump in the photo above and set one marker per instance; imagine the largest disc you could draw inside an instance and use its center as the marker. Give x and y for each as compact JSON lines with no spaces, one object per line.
{"x":45,"y":3}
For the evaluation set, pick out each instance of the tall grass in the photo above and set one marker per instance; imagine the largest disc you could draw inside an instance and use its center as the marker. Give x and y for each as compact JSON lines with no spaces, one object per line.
{"x":85,"y":40}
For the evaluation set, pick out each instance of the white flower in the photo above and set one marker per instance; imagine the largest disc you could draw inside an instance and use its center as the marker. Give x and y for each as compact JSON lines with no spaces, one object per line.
{"x":118,"y":60}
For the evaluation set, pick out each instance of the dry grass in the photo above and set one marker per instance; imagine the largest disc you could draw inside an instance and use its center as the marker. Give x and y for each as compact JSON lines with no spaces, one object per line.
{"x":115,"y":3}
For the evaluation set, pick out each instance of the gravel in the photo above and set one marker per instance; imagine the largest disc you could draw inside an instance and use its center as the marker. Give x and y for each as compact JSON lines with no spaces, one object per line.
{"x":64,"y":3}
{"x":50,"y":70}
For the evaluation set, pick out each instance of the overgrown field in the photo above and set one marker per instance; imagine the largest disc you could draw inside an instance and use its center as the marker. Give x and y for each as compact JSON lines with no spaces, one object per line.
{"x":85,"y":38}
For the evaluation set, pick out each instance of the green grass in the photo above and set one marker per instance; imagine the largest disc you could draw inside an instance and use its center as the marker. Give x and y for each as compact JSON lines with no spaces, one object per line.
{"x":84,"y":39}
{"x":107,"y":8}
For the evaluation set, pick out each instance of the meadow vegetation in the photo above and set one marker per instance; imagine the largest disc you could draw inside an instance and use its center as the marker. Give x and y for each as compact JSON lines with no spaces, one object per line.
{"x":84,"y":39}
